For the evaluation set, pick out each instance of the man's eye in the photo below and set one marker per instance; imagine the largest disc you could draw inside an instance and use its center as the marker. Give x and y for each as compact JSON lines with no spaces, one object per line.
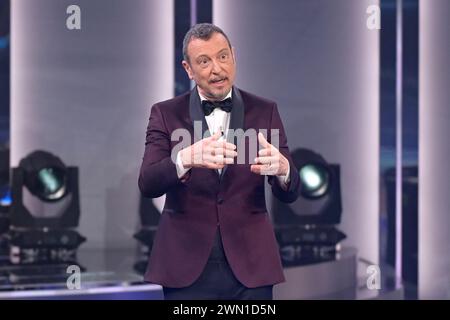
{"x":224,"y":56}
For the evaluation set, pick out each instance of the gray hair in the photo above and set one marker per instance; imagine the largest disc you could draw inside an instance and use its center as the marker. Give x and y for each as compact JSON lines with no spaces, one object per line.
{"x":202,"y":31}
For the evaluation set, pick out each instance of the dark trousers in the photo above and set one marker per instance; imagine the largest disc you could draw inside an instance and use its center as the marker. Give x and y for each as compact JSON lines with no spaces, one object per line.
{"x":217,"y":282}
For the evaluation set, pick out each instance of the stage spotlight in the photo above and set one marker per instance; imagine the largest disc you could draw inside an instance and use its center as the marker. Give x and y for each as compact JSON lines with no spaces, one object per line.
{"x":45,"y":175}
{"x":149,"y":216}
{"x":307,"y":226}
{"x":320,"y":193}
{"x":45,"y":210}
{"x":44,"y":193}
{"x":5,"y":197}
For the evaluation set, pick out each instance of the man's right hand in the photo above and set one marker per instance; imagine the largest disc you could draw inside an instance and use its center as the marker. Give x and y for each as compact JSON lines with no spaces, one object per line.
{"x":209,"y":153}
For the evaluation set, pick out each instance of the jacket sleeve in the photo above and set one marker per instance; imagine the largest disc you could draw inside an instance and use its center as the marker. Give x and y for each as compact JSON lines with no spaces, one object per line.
{"x":292,"y":191}
{"x":158,"y":172}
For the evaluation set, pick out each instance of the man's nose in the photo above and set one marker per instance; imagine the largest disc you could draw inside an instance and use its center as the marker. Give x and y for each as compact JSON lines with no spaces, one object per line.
{"x":216,"y":68}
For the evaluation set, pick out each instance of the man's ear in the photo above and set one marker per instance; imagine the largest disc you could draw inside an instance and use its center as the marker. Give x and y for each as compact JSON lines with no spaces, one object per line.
{"x":233,"y":53}
{"x":188,"y":69}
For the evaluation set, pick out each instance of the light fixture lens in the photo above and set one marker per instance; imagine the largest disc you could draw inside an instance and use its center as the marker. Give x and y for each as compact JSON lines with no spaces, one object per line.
{"x":52,"y":183}
{"x":314,"y":179}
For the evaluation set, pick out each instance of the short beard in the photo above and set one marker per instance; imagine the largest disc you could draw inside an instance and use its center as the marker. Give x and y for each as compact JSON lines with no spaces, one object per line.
{"x":219,"y":96}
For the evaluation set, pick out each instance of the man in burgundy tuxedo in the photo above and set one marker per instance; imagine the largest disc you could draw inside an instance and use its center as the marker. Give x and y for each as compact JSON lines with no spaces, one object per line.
{"x":215,"y":239}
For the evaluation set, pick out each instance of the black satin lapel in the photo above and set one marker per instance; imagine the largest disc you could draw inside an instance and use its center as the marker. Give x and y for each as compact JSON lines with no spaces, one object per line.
{"x":197,"y":116}
{"x":236,"y":119}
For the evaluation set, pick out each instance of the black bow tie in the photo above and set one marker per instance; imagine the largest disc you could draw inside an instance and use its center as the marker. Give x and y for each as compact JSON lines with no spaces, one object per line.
{"x":208,"y":106}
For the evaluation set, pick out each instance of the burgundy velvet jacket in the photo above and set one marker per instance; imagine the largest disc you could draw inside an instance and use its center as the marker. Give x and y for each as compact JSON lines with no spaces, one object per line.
{"x":204,"y":200}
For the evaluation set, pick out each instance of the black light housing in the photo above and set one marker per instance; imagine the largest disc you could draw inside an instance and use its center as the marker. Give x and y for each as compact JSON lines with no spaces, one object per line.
{"x":5,"y":197}
{"x":320,"y":194}
{"x":305,"y":229}
{"x":41,"y":176}
{"x":149,"y":217}
{"x":45,"y":175}
{"x":45,"y":210}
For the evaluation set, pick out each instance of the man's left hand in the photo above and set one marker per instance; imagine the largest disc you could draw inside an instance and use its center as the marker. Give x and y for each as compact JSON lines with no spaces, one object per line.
{"x":270,"y":161}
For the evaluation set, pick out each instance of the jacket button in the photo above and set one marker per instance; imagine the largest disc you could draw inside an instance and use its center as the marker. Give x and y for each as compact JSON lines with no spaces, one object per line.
{"x":220,"y":201}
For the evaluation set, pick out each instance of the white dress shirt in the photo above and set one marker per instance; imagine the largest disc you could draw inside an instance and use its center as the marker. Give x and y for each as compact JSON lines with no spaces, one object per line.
{"x":219,"y":120}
